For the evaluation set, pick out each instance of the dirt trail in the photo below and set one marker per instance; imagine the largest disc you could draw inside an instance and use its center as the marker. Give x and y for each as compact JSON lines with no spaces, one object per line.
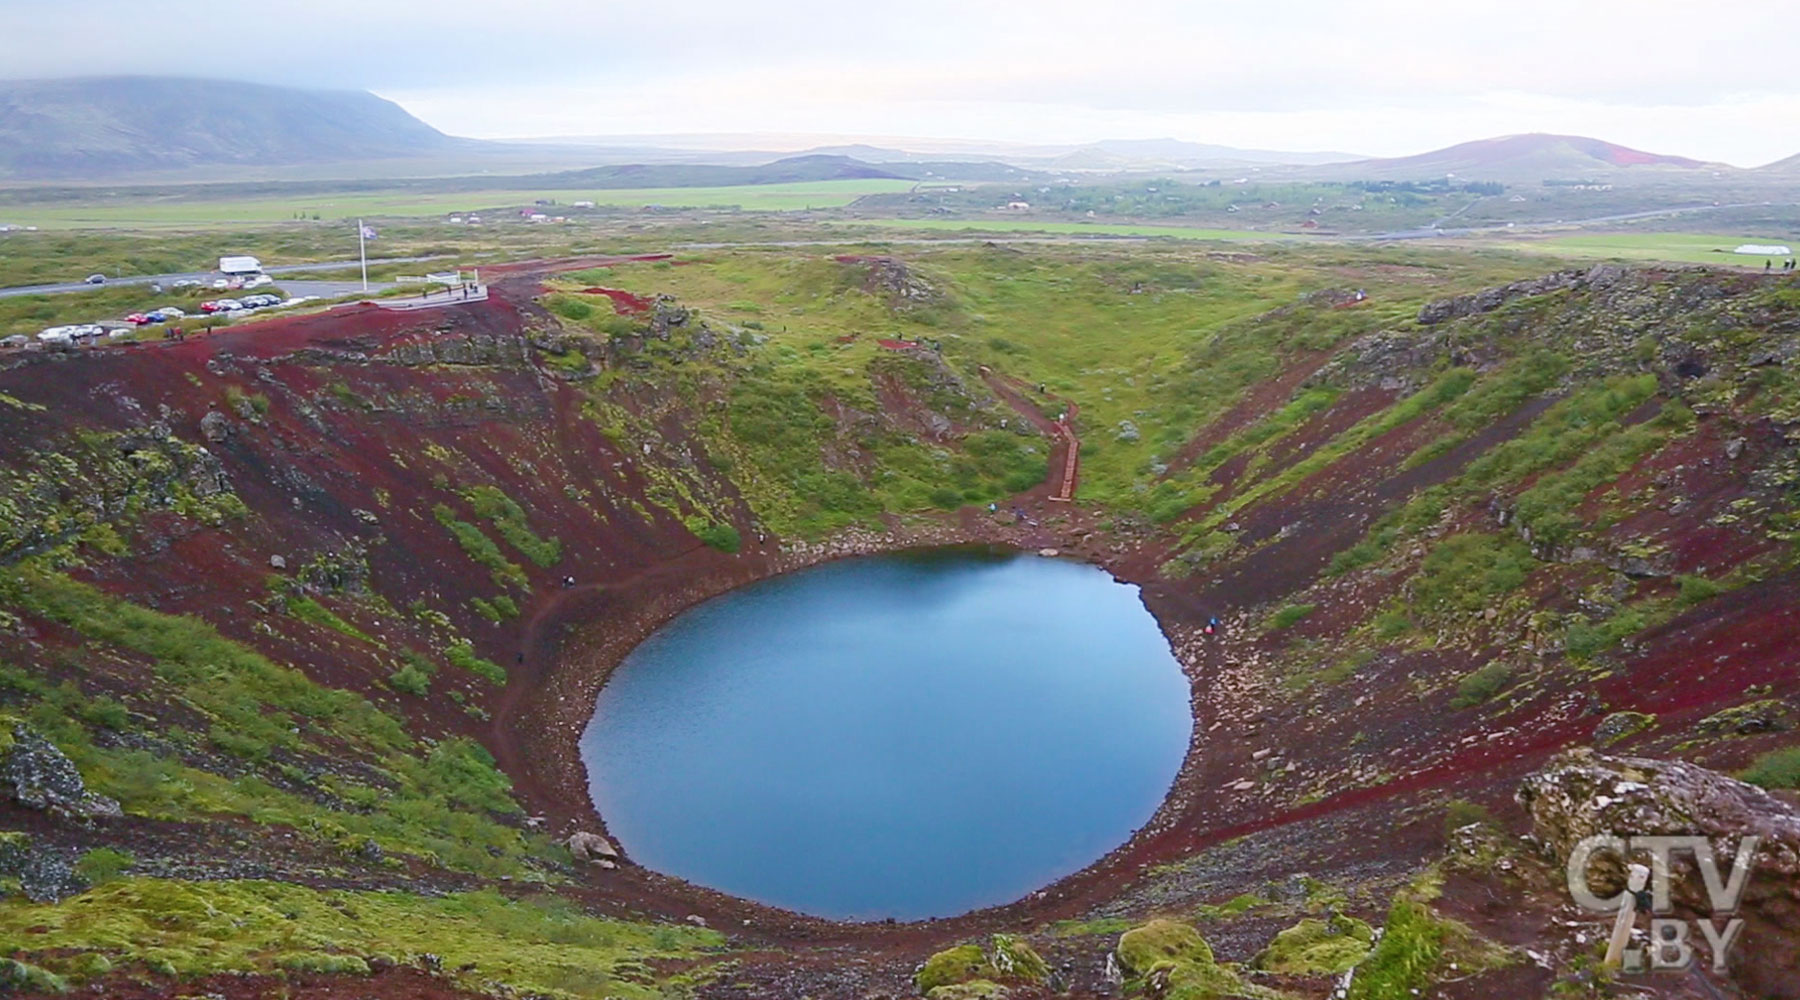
{"x":1065,"y":453}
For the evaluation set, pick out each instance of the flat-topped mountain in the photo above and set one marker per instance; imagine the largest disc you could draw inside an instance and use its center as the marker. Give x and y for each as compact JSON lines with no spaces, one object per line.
{"x":107,"y":126}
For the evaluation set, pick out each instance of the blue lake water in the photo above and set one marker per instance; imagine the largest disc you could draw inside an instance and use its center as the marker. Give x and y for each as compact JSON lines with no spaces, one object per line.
{"x":899,"y":736}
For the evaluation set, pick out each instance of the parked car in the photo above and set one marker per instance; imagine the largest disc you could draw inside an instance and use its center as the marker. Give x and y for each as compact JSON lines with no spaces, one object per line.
{"x":260,"y":301}
{"x":137,"y":319}
{"x":186,"y":283}
{"x":259,"y":281}
{"x":57,"y":335}
{"x":220,"y":285}
{"x":95,"y":279}
{"x":168,"y":313}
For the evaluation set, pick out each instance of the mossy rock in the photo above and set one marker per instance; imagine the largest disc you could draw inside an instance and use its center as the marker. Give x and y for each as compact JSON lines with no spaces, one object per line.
{"x":1169,"y":959}
{"x":1006,"y":959}
{"x":1142,"y":949}
{"x":974,"y":989}
{"x":1195,"y":981}
{"x":19,"y":976}
{"x":90,"y":964}
{"x":1015,"y":959}
{"x":1621,"y":725}
{"x":1318,"y":947}
{"x":323,"y":962}
{"x":1764,"y":716}
{"x":961,"y":964}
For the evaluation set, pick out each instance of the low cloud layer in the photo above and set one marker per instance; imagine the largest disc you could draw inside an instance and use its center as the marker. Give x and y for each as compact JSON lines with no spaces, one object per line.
{"x":1382,"y":77}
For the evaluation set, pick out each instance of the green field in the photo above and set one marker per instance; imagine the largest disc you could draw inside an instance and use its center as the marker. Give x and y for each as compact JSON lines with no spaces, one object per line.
{"x":1685,"y":248}
{"x":179,"y":211}
{"x":1075,"y":229}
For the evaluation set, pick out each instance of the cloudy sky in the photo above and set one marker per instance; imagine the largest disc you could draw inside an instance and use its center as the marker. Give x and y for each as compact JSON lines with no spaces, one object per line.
{"x":1382,"y":77}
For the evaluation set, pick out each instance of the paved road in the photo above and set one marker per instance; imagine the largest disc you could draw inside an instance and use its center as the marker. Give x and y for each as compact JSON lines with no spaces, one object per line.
{"x":208,"y":276}
{"x":321,"y":289}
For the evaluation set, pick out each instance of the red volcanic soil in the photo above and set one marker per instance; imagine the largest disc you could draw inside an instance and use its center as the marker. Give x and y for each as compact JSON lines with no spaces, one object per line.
{"x":623,"y":301}
{"x":368,"y":409}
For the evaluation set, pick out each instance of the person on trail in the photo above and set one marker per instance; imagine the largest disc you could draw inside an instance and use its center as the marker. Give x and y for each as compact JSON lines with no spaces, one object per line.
{"x":1767,"y":265}
{"x":1212,"y":623}
{"x":1209,"y":630}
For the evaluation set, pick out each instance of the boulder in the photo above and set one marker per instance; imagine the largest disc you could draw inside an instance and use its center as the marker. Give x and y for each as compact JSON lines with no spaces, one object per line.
{"x":1621,"y":725}
{"x":1488,"y":300}
{"x":48,"y":878}
{"x":594,"y":848}
{"x":215,"y":426}
{"x":1581,"y":794}
{"x":39,"y":776}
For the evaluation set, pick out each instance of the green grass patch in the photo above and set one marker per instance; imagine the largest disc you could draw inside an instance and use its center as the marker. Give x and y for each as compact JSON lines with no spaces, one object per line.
{"x":1481,"y":685}
{"x":479,"y":547}
{"x":190,"y":929}
{"x":1290,"y":615}
{"x":508,"y":518}
{"x":717,"y":534}
{"x":1775,"y":769}
{"x":1403,"y":963}
{"x":1469,"y":572}
{"x":313,"y":613}
{"x":462,"y":656}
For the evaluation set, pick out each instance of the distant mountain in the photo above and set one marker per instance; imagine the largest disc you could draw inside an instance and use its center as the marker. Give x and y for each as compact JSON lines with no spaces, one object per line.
{"x":1200,"y":154}
{"x":1791,"y":165}
{"x":110,"y":126}
{"x":1106,"y":155}
{"x":812,"y":167}
{"x":1536,"y":156}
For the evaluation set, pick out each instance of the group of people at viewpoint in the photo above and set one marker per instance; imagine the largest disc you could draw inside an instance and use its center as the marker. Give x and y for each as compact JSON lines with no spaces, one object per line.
{"x":1787,"y":266}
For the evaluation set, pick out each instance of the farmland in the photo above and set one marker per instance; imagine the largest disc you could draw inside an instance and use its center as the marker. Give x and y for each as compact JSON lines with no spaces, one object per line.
{"x":174,"y":210}
{"x":1685,"y":248}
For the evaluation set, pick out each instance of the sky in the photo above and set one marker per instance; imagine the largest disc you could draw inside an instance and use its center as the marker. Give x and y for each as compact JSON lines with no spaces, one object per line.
{"x":1376,"y":77}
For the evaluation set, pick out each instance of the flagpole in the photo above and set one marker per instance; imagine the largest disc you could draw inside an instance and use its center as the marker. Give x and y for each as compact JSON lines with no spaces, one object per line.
{"x":362,"y":249}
